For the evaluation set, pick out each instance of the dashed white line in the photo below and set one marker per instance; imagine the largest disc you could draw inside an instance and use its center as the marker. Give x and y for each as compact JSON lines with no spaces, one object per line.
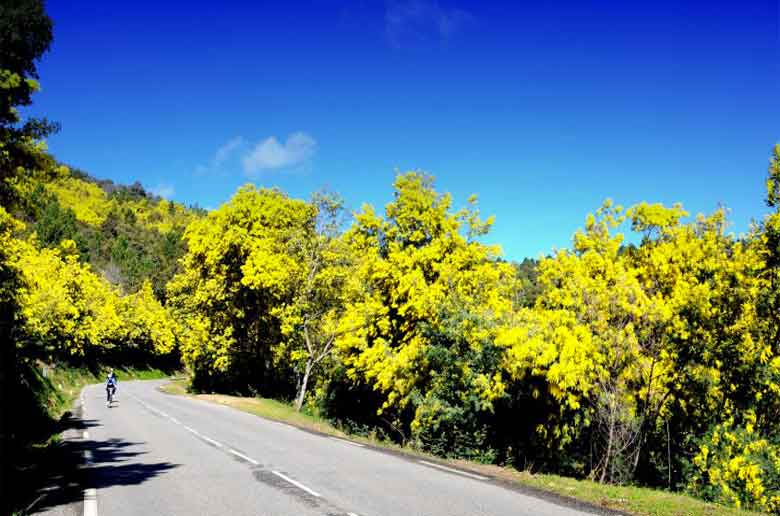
{"x":348,"y":442}
{"x":205,"y":438}
{"x":90,"y":495}
{"x":452,"y":470}
{"x":90,"y":502}
{"x":212,"y":441}
{"x":237,"y":453}
{"x":241,"y":455}
{"x":296,"y":484}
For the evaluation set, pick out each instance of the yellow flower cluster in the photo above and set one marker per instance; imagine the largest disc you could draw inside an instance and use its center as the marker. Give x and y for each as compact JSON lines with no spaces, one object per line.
{"x":91,"y":205}
{"x":736,"y":466}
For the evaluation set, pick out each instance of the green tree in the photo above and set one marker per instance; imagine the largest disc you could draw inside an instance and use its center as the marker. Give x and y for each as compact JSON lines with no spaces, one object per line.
{"x":25,"y":35}
{"x":55,"y":224}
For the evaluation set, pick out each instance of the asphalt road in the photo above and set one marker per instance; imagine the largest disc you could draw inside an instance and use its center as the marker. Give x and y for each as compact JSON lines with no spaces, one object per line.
{"x":155,"y":453}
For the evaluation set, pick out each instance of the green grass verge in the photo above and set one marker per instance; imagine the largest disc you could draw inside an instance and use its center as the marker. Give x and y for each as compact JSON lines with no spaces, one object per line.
{"x":633,"y":500}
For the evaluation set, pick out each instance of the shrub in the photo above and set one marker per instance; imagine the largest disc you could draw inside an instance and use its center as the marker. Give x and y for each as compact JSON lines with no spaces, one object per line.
{"x":737,"y":466}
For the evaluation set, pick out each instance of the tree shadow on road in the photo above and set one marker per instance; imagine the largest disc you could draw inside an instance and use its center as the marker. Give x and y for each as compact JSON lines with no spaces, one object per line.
{"x":64,"y":472}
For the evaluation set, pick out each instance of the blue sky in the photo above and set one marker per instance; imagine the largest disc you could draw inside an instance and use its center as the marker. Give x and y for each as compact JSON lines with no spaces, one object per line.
{"x":541,"y":108}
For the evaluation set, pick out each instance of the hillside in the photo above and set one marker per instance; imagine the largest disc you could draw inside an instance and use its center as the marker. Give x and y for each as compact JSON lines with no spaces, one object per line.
{"x":124,"y":232}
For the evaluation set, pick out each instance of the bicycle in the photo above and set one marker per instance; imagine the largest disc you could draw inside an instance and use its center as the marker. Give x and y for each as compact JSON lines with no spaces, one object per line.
{"x":110,"y":392}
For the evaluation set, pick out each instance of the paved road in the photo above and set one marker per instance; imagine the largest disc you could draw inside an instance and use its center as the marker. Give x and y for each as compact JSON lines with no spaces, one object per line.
{"x":154,"y":453}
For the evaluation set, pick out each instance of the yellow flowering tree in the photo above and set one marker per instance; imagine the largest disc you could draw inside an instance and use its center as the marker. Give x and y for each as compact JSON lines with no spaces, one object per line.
{"x":148,"y":326}
{"x":65,"y":306}
{"x":236,"y":277}
{"x":423,"y":274}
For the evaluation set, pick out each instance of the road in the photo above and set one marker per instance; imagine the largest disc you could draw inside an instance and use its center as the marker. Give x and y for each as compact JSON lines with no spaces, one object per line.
{"x":156,"y":453}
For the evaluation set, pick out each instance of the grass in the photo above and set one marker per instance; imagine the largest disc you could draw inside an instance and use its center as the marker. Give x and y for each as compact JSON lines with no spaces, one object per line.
{"x":629,"y":499}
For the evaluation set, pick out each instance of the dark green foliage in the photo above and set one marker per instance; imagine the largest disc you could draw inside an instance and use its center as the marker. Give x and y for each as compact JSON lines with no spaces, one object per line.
{"x":353,"y":405}
{"x":55,"y":224}
{"x":529,"y":288}
{"x":25,"y":35}
{"x":460,"y":423}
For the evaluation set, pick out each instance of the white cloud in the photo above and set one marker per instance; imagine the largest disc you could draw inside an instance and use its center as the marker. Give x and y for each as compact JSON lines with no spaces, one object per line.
{"x":409,"y":22}
{"x":271,"y":154}
{"x":224,"y":152}
{"x":164,"y":190}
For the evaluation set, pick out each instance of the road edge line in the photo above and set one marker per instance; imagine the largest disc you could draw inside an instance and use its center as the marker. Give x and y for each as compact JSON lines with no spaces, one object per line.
{"x":345,"y":441}
{"x":453,"y":470}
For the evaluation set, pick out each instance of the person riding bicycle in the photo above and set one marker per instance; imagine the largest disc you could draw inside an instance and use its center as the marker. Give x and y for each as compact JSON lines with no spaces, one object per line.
{"x":111,"y":383}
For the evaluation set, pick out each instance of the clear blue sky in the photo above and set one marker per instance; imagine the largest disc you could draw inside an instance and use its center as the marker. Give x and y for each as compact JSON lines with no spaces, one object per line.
{"x":541,"y":108}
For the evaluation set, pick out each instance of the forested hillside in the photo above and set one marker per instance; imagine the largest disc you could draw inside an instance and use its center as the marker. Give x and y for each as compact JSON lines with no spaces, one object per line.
{"x":656,"y":363}
{"x":125,"y":233}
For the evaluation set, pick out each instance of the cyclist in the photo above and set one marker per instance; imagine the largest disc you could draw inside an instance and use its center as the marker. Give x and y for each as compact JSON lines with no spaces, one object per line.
{"x":111,"y":383}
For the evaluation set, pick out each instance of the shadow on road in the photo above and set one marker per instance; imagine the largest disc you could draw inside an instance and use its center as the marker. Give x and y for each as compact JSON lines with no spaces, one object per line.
{"x":64,"y":473}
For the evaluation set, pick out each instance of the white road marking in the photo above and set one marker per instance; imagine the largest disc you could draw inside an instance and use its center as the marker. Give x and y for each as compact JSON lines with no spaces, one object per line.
{"x":241,"y":455}
{"x":452,"y":470}
{"x":234,"y":452}
{"x":90,"y":495}
{"x":212,"y":441}
{"x":209,"y":439}
{"x":349,"y":442}
{"x":90,"y":502}
{"x":296,"y":484}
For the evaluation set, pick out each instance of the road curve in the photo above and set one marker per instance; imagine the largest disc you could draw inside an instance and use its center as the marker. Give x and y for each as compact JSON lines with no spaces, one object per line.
{"x":155,"y":453}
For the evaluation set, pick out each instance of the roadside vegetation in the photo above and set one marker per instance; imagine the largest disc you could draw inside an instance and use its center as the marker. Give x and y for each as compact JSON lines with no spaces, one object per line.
{"x":647,"y":354}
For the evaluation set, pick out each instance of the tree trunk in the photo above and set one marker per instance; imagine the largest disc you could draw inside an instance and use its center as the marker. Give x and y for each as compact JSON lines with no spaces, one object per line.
{"x":669,"y":454}
{"x":607,"y":460}
{"x":302,"y":391}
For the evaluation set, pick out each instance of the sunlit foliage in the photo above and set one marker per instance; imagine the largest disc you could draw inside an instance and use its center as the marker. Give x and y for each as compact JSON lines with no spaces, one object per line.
{"x":236,"y":276}
{"x":417,"y":260}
